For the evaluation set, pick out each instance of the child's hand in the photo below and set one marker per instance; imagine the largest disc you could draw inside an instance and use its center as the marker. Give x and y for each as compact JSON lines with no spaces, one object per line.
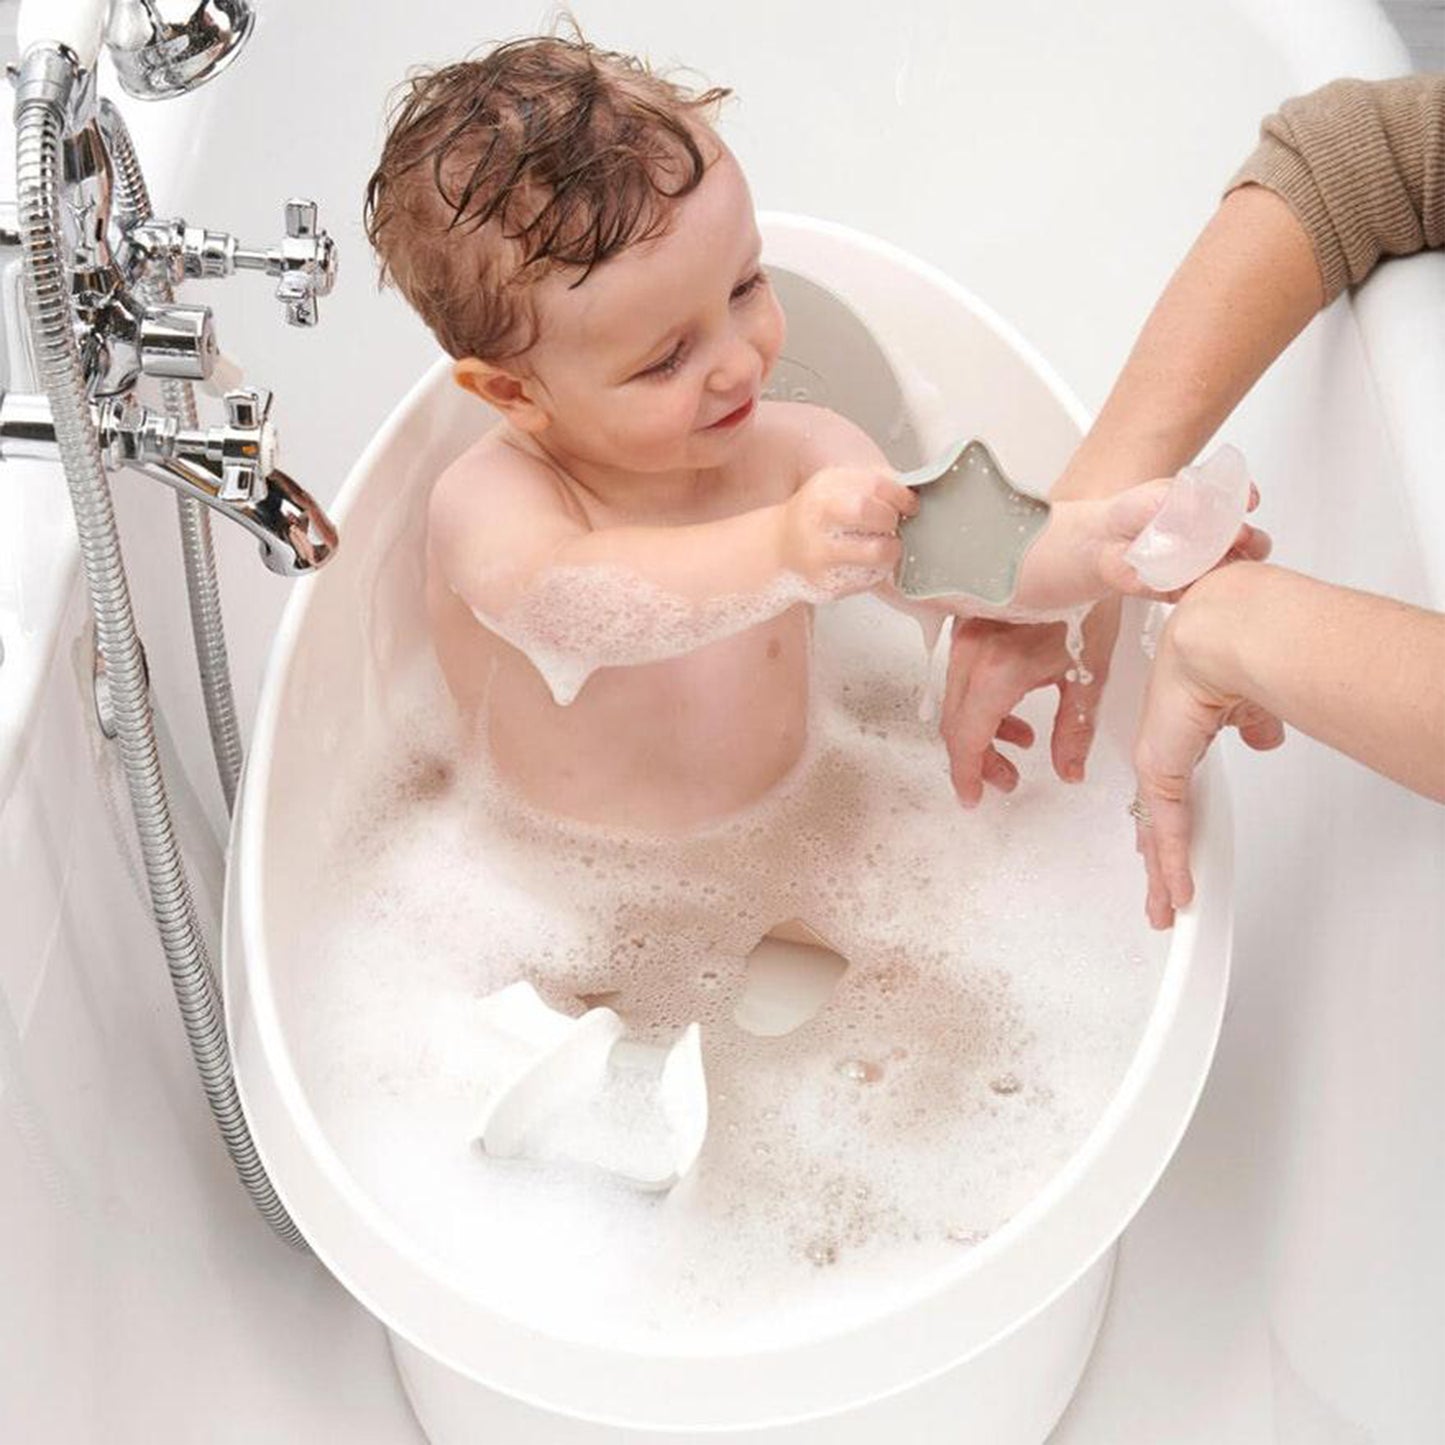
{"x":839,"y":530}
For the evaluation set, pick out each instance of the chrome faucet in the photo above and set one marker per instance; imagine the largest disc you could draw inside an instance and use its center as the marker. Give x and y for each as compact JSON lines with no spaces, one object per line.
{"x":122,"y":265}
{"x":230,"y":467}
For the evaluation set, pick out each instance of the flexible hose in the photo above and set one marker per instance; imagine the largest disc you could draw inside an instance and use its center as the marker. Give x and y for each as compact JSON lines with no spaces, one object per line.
{"x":39,"y":121}
{"x":202,"y":588}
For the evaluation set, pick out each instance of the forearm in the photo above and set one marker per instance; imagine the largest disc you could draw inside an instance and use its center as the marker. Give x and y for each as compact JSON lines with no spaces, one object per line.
{"x":627,"y":596}
{"x":697,"y":564}
{"x":1361,"y":673}
{"x":1247,"y":287}
{"x":1343,"y":176}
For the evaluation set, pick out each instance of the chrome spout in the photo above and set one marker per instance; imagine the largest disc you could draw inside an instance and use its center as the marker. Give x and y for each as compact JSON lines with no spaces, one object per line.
{"x":296,"y":536}
{"x":228,"y":468}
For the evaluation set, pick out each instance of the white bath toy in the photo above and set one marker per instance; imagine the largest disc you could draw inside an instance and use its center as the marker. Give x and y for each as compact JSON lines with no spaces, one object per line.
{"x":1200,"y":518}
{"x":577,"y":1090}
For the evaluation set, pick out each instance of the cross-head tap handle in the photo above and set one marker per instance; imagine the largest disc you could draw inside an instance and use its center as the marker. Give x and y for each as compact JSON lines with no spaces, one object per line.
{"x":308,"y":263}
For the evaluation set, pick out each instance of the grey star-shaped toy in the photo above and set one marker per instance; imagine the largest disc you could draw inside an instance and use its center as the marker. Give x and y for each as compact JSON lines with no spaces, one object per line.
{"x":972,"y":530}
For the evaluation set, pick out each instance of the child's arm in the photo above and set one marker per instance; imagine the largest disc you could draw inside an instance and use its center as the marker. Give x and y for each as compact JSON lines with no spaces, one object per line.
{"x":1080,"y":557}
{"x":528,"y":565}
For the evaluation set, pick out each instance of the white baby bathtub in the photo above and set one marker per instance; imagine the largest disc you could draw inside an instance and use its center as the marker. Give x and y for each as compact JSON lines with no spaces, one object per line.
{"x":992,"y":1348}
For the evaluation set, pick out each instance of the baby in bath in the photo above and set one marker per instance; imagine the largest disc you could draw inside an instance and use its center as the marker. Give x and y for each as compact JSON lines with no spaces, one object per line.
{"x":620,"y":572}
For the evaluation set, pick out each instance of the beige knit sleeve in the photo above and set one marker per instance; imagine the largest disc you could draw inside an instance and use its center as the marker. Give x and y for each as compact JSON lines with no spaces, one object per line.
{"x":1362,"y":165}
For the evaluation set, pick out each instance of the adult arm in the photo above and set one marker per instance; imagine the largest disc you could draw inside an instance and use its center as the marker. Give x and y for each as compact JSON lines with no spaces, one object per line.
{"x":1253,"y":645}
{"x":1343,"y":176}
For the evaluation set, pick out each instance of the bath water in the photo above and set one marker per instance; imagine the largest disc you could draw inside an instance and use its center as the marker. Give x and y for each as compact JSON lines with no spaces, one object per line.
{"x":1000,"y":976}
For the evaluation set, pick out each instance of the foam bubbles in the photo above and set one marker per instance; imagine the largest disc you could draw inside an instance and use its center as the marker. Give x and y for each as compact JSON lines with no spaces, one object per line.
{"x":574,"y":620}
{"x":845,"y":1161}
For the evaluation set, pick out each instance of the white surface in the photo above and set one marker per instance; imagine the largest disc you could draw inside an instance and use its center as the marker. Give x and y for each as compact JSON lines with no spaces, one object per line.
{"x":860,"y":1373}
{"x":144,"y":1299}
{"x":1286,"y":1282}
{"x":1046,"y":1353}
{"x":75,"y":24}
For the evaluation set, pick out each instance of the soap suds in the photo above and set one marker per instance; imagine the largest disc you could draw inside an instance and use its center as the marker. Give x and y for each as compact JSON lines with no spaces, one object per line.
{"x":996,"y":991}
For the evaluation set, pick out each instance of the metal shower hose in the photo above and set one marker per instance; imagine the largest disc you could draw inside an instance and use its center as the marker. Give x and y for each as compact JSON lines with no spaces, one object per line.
{"x":39,"y":122}
{"x":207,"y":624}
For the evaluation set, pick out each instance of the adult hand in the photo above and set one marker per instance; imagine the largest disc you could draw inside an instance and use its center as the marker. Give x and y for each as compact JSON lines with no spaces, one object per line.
{"x":992,"y":666}
{"x":1183,"y":711}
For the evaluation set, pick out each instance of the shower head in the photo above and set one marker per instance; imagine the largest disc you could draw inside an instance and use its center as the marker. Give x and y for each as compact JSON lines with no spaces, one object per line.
{"x":156,"y":57}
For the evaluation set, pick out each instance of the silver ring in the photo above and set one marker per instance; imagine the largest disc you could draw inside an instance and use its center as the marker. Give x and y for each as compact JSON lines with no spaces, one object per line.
{"x":1139,"y":812}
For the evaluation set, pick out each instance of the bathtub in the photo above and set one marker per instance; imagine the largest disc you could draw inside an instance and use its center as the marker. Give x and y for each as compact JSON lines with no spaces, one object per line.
{"x":991,"y":1348}
{"x":1282,"y":1281}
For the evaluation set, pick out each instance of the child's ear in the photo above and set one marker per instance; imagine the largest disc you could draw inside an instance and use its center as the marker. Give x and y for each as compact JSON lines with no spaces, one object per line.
{"x":504,"y":391}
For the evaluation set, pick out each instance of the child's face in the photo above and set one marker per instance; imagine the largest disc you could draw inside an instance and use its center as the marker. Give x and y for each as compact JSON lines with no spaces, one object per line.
{"x":657,"y":360}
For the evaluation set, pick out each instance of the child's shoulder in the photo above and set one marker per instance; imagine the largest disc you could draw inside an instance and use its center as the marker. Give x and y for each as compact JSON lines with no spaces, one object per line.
{"x":817,"y":437}
{"x":494,"y":492}
{"x":497,"y":473}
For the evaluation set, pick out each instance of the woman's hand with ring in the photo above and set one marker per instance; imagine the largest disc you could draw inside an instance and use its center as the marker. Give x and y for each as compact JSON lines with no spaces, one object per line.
{"x":1183,"y":711}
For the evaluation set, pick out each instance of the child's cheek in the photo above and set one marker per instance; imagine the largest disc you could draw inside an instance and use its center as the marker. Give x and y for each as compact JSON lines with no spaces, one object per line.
{"x":775,"y":332}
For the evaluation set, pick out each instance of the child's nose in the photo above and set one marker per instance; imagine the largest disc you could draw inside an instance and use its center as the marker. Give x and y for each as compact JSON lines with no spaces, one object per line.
{"x":737,"y":363}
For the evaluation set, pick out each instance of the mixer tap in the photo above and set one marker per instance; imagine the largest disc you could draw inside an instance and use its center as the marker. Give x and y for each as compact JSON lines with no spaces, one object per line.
{"x":304,"y":260}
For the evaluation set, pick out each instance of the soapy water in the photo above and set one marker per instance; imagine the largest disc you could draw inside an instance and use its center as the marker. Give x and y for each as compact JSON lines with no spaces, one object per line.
{"x":997,"y":986}
{"x":572,"y":621}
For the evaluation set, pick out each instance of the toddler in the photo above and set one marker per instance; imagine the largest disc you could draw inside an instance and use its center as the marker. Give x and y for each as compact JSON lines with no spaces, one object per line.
{"x":620,"y":572}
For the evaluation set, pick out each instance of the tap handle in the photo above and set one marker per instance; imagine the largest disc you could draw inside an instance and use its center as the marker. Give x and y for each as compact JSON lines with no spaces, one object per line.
{"x":300,"y":218}
{"x":245,"y":406}
{"x":304,"y":262}
{"x":308,"y":263}
{"x":246,"y":446}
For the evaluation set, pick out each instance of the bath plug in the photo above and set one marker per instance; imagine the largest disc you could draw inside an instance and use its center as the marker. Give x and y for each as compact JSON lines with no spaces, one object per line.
{"x":575,"y":1089}
{"x":972,"y":529}
{"x":1193,"y":529}
{"x":791,"y":974}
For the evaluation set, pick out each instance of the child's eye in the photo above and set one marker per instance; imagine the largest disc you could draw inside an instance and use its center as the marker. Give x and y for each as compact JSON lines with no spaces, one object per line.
{"x":746,"y":288}
{"x":669,"y":364}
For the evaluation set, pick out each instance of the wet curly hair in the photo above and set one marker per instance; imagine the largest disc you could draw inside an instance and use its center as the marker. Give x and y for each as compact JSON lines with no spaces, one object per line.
{"x":547,"y":153}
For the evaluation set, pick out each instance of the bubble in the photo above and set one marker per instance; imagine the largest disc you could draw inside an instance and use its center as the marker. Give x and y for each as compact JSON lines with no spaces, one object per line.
{"x":821,"y":1252}
{"x":860,"y":1071}
{"x":573,"y":620}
